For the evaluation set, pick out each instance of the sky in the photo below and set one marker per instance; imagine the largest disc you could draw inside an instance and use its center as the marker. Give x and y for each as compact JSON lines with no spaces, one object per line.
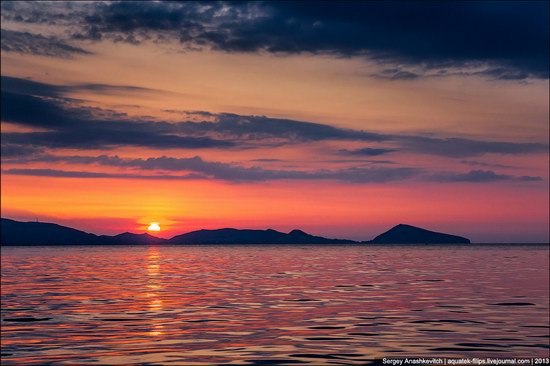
{"x":342,"y":119}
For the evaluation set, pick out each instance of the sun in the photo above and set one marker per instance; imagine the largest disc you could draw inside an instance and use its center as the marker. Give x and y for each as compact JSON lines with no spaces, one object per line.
{"x":154,"y":226}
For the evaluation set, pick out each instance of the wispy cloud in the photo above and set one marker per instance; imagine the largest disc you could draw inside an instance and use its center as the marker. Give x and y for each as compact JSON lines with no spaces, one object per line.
{"x":19,"y":151}
{"x":197,"y":168}
{"x":262,"y":127}
{"x":70,"y":125}
{"x":468,"y":69}
{"x":200,"y":168}
{"x":37,"y":44}
{"x":487,"y":165}
{"x":461,"y":147}
{"x":55,"y":173}
{"x":367,"y":151}
{"x":35,"y":88}
{"x":481,"y":176}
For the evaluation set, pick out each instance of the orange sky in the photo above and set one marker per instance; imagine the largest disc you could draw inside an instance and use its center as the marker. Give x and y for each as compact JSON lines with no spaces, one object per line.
{"x":486,"y":195}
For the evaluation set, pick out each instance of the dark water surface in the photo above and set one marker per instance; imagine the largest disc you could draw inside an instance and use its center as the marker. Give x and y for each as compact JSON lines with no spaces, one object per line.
{"x":257,"y":305}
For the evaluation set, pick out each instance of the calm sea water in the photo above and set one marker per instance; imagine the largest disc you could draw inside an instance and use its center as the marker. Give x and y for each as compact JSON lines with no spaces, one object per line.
{"x":256,"y":305}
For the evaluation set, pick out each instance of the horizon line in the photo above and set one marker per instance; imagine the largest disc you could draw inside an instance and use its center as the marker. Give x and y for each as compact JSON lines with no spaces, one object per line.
{"x":145,"y":232}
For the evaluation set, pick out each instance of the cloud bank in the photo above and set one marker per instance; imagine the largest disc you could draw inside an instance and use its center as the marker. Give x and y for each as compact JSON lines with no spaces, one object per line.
{"x":64,"y":123}
{"x":498,"y":40}
{"x":58,"y":122}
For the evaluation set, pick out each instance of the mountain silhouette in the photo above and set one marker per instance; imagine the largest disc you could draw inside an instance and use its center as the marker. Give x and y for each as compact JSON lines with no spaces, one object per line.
{"x":407,"y":234}
{"x":39,"y":233}
{"x":236,"y":236}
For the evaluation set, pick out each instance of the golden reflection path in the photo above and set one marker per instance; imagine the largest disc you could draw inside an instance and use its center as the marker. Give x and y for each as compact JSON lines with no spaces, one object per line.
{"x":154,"y":288}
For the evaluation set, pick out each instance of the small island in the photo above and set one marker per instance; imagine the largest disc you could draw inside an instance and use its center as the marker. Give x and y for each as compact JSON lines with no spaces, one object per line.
{"x":408,"y":234}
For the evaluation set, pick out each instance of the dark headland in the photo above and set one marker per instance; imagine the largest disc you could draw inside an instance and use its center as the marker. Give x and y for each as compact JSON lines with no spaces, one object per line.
{"x":39,"y":233}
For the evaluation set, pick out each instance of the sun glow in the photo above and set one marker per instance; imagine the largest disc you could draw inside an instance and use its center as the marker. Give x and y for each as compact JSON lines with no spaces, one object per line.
{"x":154,"y":226}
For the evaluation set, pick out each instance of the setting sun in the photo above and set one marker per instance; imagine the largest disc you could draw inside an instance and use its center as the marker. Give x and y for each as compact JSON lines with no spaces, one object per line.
{"x":154,"y":226}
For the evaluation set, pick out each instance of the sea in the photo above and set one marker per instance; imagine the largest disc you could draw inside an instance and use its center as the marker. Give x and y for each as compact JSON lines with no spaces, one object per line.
{"x":271,"y":304}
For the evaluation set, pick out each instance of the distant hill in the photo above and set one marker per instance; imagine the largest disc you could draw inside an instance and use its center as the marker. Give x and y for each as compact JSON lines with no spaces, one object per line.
{"x":407,"y":234}
{"x":269,"y":236}
{"x":38,"y":233}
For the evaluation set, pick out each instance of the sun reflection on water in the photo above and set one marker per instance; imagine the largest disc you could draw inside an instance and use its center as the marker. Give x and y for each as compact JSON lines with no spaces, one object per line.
{"x":204,"y":305}
{"x":154,"y":286}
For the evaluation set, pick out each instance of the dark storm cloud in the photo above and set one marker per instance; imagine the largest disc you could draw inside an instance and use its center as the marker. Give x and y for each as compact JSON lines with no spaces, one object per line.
{"x":481,"y":176}
{"x":509,"y":38}
{"x":64,"y":123}
{"x":37,"y":44}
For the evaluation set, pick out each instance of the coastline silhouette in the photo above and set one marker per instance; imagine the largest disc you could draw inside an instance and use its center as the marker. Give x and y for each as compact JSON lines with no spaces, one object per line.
{"x":40,"y":233}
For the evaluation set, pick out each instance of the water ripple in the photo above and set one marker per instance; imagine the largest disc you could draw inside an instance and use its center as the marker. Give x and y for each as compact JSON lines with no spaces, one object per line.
{"x":270,"y":305}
